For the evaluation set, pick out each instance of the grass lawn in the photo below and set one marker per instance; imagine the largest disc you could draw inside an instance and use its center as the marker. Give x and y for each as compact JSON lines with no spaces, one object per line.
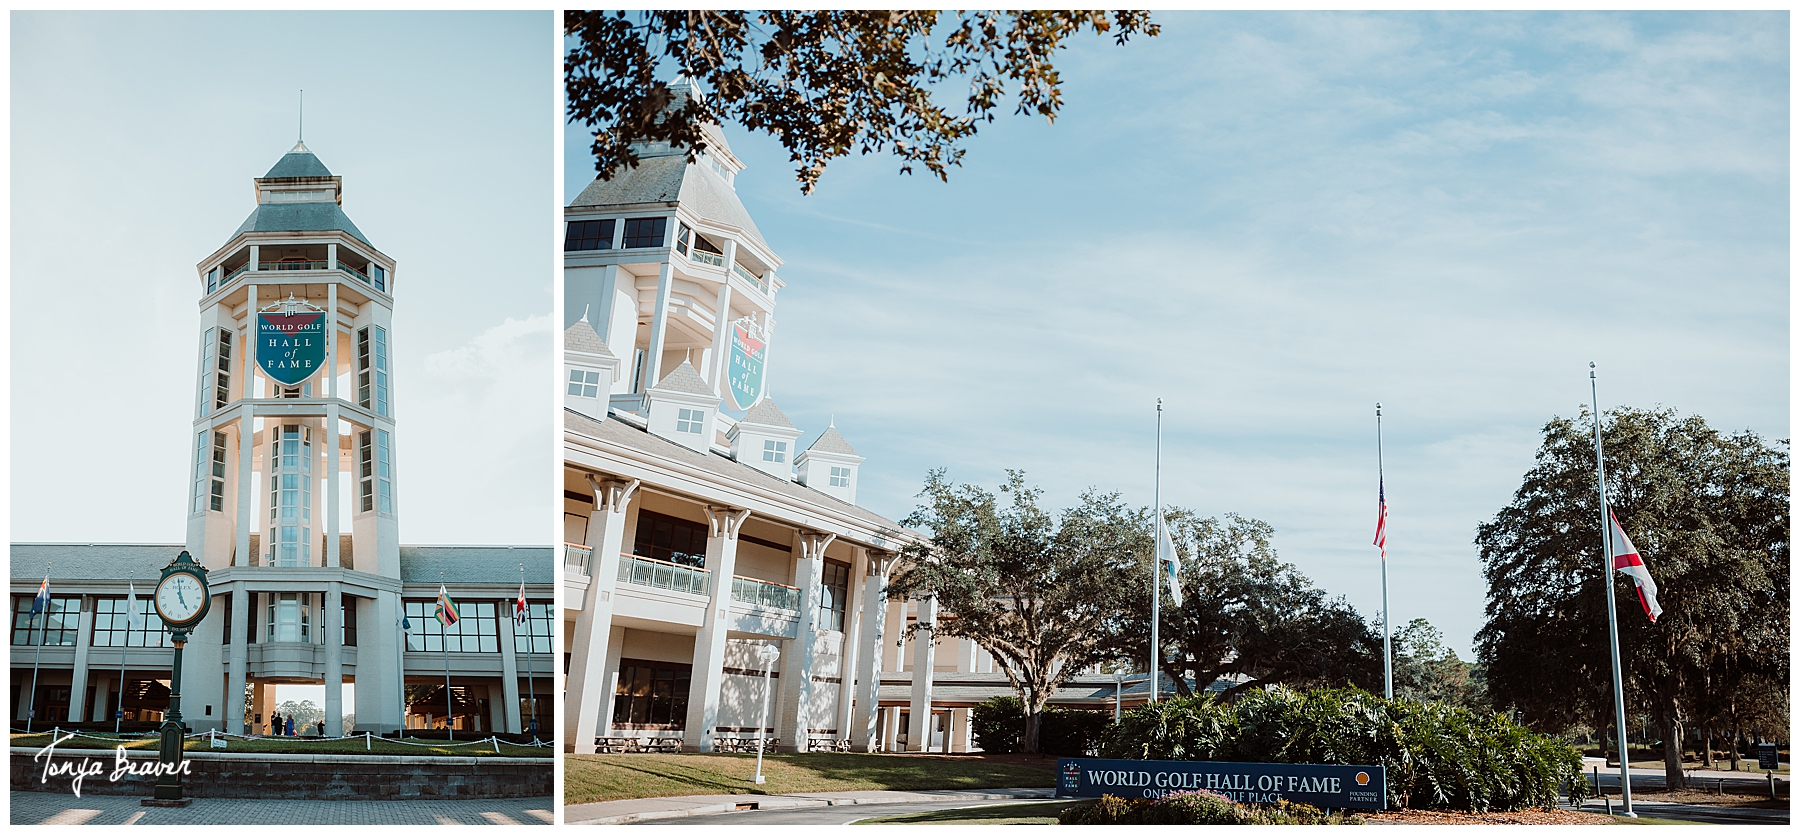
{"x":1037,"y":814}
{"x":590,"y":778}
{"x":380,"y":747}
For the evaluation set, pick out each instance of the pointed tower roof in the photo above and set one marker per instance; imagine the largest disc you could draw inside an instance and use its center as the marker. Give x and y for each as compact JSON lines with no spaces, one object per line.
{"x":582,"y":338}
{"x":768,"y":414}
{"x":298,"y":162}
{"x":684,"y":379}
{"x":831,"y":441}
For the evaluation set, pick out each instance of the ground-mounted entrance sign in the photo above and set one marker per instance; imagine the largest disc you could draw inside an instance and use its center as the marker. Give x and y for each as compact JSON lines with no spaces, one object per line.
{"x":1324,"y":786}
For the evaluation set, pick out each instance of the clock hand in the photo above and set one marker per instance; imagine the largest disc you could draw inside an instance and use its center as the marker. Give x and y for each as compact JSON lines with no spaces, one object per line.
{"x":179,"y":596}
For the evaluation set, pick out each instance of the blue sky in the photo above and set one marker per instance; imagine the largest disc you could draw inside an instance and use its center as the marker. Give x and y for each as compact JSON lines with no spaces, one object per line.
{"x":135,"y":138}
{"x":1273,"y":221}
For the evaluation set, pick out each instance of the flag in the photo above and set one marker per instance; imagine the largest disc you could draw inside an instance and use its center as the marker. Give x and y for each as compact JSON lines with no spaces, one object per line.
{"x":1381,"y":520}
{"x":1627,"y":561}
{"x":134,"y":616}
{"x":405,"y":623}
{"x":1166,"y":558}
{"x":42,"y":601}
{"x":520,"y":610}
{"x":446,"y":608}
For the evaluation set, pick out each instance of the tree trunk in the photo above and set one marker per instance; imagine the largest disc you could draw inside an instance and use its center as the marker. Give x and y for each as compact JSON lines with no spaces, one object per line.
{"x":1673,"y":777}
{"x":1706,"y":758}
{"x":1033,"y":720}
{"x":1737,"y":742}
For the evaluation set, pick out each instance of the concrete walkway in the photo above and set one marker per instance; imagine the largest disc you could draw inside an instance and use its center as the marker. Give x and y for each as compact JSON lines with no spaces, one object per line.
{"x":654,"y":808}
{"x":29,"y":808}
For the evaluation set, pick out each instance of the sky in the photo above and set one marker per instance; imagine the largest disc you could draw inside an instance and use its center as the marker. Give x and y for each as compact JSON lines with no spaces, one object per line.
{"x":1274,"y":221}
{"x":135,"y":138}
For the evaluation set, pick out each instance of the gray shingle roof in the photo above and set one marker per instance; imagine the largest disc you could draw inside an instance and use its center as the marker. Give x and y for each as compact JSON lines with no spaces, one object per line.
{"x":669,"y":179}
{"x":581,"y":337}
{"x":686,"y":380}
{"x":299,"y":217}
{"x":613,"y":430}
{"x":831,"y":441}
{"x":299,"y":162}
{"x":768,"y":414}
{"x":90,"y":560}
{"x":475,"y":563}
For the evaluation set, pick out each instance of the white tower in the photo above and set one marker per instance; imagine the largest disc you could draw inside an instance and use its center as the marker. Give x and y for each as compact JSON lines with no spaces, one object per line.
{"x":294,"y":498}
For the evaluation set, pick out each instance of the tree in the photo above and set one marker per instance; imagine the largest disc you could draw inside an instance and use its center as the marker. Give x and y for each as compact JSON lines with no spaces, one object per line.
{"x":1042,"y":594}
{"x":1246,"y":614}
{"x":823,"y":82}
{"x":1708,"y":512}
{"x":1427,"y":670}
{"x":304,"y":713}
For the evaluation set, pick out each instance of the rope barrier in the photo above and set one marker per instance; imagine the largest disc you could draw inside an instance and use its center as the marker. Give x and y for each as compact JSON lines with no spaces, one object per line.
{"x":368,"y":739}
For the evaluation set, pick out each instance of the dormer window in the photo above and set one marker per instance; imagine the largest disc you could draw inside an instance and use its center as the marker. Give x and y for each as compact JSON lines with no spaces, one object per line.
{"x":584,"y":383}
{"x":690,"y":421}
{"x":775,"y":451}
{"x":840,"y":477}
{"x":585,"y":235}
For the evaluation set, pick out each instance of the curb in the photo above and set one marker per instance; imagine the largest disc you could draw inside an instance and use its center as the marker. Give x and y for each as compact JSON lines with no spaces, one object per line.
{"x":763,"y":802}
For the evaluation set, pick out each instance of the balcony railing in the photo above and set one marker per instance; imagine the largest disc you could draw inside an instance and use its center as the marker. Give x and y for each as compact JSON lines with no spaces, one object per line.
{"x":661,"y":575}
{"x":747,"y":276}
{"x":234,"y":274}
{"x":279,"y":266}
{"x":355,"y":272}
{"x":578,"y":558}
{"x":707,"y":257}
{"x":765,"y":593}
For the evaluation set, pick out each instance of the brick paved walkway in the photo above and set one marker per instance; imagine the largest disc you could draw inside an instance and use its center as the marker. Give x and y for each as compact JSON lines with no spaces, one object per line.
{"x":66,"y":808}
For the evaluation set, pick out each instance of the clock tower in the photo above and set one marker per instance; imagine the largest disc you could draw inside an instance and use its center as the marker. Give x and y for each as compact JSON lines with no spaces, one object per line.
{"x":293,"y":499}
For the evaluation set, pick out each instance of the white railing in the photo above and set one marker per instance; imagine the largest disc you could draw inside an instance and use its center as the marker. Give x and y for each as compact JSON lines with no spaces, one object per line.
{"x":578,"y":558}
{"x":764,"y":593}
{"x":747,"y":276}
{"x":707,"y":257}
{"x":661,"y":575}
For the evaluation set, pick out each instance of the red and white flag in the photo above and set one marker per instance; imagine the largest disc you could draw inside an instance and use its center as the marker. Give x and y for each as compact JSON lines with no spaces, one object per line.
{"x":1626,"y":559}
{"x":1381,"y":521}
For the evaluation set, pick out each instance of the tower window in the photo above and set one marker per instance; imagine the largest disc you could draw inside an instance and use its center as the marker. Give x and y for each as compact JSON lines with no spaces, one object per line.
{"x":222,"y":378}
{"x":681,"y":238}
{"x":200,"y":455}
{"x":375,"y":471}
{"x":365,"y":475}
{"x":642,"y":232}
{"x":215,"y":369}
{"x":584,"y":383}
{"x":290,"y":495}
{"x":212,"y":279}
{"x":384,"y":471}
{"x":834,"y":593}
{"x":840,"y":477}
{"x":380,"y":275}
{"x":690,"y":420}
{"x":775,"y":451}
{"x":584,"y":235}
{"x":290,"y":617}
{"x":218,"y":471}
{"x":372,"y":369}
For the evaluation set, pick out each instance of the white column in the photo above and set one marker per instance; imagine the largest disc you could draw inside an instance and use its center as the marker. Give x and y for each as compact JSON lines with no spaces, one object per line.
{"x":721,"y":349}
{"x":850,"y":650}
{"x":593,"y":626}
{"x":918,"y":737}
{"x":333,"y":532}
{"x":615,"y":650}
{"x":659,"y":328}
{"x":890,"y":735}
{"x":793,"y":714}
{"x":239,"y":659}
{"x":872,"y":638}
{"x":509,"y":719}
{"x":965,"y":655}
{"x":331,"y":262}
{"x":709,"y":645}
{"x":334,"y":659}
{"x":250,"y":335}
{"x":78,"y":675}
{"x":102,"y":689}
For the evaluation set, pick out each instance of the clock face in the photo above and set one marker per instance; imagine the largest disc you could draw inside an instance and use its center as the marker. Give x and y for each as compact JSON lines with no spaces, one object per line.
{"x":179,"y":598}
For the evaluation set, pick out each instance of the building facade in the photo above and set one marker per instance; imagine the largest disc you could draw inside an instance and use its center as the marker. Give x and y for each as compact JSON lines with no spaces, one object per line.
{"x":699,"y":529}
{"x":293,"y":508}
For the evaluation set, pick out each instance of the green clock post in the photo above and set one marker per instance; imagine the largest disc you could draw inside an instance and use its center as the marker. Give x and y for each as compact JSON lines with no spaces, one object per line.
{"x":182,"y":600}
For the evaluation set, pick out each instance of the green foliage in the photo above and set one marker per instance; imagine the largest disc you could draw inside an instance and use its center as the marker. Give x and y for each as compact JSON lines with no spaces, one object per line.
{"x":1437,"y":756}
{"x":1247,"y":614}
{"x":1196,"y":808}
{"x":999,"y":727}
{"x":823,"y":82}
{"x":1426,"y":670}
{"x":1709,"y":514}
{"x":1043,"y":593}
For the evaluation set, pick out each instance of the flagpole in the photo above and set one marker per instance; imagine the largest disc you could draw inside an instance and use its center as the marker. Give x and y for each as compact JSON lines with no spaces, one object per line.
{"x":405,"y":637}
{"x":1387,"y":624}
{"x":1156,"y":568}
{"x":530,"y":647}
{"x":31,"y":699}
{"x":1612,"y":618}
{"x":444,"y":642}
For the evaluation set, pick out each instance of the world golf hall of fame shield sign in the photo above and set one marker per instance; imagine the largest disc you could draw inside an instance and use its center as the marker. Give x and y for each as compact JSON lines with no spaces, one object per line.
{"x":745,"y":375}
{"x":290,"y":343}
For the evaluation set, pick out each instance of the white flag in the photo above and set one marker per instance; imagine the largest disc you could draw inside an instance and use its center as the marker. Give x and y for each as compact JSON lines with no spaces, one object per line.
{"x":1166,"y":559}
{"x":1627,"y":561}
{"x":134,"y":617}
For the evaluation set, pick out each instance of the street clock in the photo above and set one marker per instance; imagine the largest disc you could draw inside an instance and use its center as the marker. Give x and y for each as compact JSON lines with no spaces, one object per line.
{"x":182,"y":597}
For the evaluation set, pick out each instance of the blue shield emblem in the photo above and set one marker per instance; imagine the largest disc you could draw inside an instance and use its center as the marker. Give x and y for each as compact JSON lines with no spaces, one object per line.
{"x":290,"y":347}
{"x":744,"y":376}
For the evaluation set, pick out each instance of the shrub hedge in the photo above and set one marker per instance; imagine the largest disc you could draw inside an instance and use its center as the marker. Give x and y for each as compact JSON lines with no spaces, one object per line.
{"x":1437,"y":756}
{"x":999,"y":727}
{"x":1193,"y":808}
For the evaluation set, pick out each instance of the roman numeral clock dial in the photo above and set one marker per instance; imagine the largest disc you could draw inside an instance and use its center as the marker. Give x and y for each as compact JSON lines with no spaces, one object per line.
{"x":180,"y":598}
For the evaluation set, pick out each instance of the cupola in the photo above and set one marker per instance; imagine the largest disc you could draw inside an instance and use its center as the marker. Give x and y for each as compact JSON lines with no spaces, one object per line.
{"x":682,"y":408}
{"x":591,"y":370}
{"x":765,"y":439}
{"x":829,"y":465}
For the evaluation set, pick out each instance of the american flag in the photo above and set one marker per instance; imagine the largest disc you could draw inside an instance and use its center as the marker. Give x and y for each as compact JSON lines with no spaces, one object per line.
{"x":1381,"y":521}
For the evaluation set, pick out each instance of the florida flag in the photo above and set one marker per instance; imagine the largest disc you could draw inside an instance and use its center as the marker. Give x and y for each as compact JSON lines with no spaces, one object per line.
{"x":520,"y":610}
{"x":1167,"y":560}
{"x":446,"y":608}
{"x":1626,"y":560}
